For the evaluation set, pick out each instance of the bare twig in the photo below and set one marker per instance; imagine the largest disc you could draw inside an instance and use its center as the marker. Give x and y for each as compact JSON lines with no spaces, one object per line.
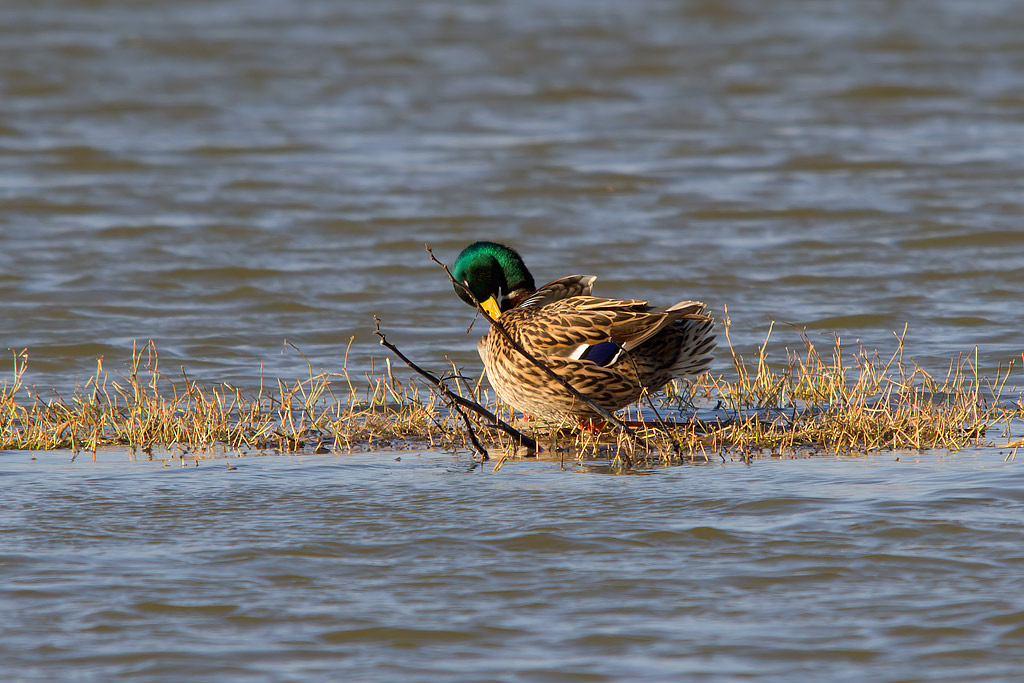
{"x":472,"y":434}
{"x":458,"y":401}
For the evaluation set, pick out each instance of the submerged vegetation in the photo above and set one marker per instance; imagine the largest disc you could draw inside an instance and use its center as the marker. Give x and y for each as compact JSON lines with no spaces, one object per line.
{"x":833,"y":401}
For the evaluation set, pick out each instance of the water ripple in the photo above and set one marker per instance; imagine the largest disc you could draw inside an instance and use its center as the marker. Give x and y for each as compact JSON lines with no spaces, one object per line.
{"x":220,"y":177}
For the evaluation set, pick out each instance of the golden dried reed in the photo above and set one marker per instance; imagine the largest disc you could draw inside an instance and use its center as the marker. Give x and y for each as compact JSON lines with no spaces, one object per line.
{"x":843,"y":401}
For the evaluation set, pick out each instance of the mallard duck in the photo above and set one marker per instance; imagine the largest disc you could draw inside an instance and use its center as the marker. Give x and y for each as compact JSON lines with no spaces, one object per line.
{"x":609,"y":350}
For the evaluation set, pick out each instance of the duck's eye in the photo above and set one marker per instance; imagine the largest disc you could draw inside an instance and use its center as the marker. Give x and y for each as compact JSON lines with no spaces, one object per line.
{"x":464,"y":293}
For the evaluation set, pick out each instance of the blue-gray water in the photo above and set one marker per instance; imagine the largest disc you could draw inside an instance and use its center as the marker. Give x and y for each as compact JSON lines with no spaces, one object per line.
{"x":364,"y":568}
{"x":220,"y":176}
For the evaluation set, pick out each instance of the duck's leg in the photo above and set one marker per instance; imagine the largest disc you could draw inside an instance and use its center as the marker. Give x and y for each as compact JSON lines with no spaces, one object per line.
{"x":591,"y":424}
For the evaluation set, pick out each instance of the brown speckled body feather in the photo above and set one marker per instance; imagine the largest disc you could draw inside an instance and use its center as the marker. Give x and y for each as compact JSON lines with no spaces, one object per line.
{"x":658,"y":344}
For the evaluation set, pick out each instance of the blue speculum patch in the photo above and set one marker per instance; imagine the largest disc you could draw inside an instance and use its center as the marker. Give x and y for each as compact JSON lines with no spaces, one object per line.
{"x":602,"y":354}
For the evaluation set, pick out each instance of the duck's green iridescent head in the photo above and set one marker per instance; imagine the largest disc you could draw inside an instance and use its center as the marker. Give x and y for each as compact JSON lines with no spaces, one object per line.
{"x":495,"y":274}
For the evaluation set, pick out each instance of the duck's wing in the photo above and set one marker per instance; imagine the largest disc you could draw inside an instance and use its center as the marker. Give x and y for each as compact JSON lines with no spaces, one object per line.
{"x":562,"y":288}
{"x":596,"y":329}
{"x":569,"y":327}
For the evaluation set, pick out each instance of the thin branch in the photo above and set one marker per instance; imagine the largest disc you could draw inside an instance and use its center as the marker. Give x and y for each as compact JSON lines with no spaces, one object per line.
{"x":600,"y":410}
{"x":458,"y":401}
{"x":472,"y":434}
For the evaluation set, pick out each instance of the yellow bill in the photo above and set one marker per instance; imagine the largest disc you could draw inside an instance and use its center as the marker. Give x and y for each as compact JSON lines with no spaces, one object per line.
{"x":491,"y":307}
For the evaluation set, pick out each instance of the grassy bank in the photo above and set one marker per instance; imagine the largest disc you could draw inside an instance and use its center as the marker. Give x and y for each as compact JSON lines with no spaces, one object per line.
{"x":833,"y":400}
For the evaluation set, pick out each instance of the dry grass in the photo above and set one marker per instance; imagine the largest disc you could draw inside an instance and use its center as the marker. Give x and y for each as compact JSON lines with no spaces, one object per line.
{"x":840,"y":401}
{"x":144,"y":409}
{"x":853,"y":401}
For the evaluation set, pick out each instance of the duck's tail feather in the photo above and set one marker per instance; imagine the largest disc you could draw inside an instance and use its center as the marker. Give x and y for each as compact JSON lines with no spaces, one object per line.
{"x":697,"y":340}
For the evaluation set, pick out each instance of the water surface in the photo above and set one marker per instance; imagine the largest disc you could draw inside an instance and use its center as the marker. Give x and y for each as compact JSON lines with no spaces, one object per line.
{"x":373,"y":568}
{"x":223,"y":176}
